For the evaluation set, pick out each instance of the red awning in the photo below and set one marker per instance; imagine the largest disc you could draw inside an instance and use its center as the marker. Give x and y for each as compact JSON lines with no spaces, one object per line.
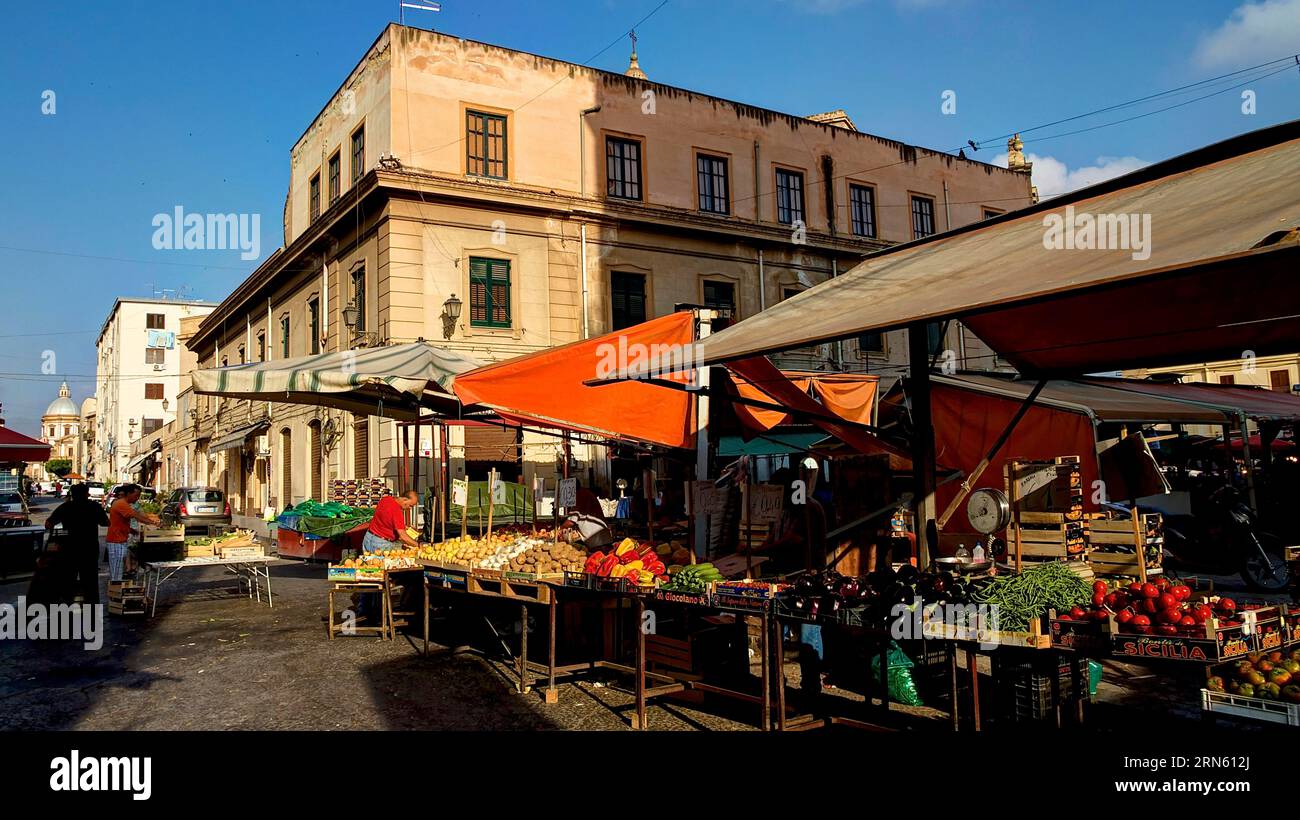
{"x":14,"y":446}
{"x":547,"y":388}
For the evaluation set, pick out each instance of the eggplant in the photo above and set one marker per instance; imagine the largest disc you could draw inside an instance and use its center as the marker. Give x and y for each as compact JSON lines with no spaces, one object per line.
{"x":830,"y":605}
{"x":848,"y":587}
{"x":907,"y":573}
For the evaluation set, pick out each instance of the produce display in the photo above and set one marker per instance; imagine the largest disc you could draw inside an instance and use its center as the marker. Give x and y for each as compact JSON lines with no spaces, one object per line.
{"x":693,"y":578}
{"x":1271,"y":676}
{"x":1158,"y":607}
{"x":1029,"y":595}
{"x":546,"y":557}
{"x":878,"y":593}
{"x":404,"y":558}
{"x":639,"y":563}
{"x":148,"y":507}
{"x":470,"y":551}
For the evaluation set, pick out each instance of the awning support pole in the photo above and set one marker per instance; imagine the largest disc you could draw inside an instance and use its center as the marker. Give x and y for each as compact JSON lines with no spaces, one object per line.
{"x":1245,"y":455}
{"x":970,"y":480}
{"x":922,"y":443}
{"x":704,"y":326}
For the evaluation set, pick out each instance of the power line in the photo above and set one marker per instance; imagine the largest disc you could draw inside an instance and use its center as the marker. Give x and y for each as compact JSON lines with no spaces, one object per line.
{"x":117,"y":258}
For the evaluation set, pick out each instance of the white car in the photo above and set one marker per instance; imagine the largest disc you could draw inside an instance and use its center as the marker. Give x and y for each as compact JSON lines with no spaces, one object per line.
{"x":96,"y":490}
{"x":12,"y":504}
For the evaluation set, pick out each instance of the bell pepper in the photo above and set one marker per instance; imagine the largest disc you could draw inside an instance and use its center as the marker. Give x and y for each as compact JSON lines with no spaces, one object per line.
{"x":607,"y":565}
{"x":633,"y":576}
{"x":625,"y":546}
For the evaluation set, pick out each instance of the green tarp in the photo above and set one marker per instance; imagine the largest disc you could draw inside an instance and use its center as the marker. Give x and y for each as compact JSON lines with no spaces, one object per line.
{"x":517,"y":509}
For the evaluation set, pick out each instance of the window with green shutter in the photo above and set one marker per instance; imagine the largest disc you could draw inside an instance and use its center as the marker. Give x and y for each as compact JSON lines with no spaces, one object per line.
{"x":485,"y":145}
{"x":489,"y":292}
{"x":627,"y":299}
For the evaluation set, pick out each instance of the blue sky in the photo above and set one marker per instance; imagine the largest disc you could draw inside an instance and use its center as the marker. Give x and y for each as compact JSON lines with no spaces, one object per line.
{"x":197,"y":104}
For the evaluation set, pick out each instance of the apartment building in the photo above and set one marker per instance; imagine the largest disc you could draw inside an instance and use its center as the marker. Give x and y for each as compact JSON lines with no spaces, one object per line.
{"x":552,"y":202}
{"x":138,"y":374}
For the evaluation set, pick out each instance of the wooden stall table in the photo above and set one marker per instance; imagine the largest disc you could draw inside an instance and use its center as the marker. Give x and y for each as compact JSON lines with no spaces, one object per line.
{"x":363,"y":586}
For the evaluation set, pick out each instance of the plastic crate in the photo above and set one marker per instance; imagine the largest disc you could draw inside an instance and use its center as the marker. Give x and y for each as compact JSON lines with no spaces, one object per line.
{"x":1026,"y":691}
{"x":1269,"y":711}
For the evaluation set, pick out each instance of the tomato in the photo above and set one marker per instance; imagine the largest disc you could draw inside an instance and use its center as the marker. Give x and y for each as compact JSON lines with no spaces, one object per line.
{"x":1099,"y":586}
{"x":1150,"y":591}
{"x":1181,"y":591}
{"x":1135,"y":589}
{"x":1275,"y":657}
{"x":1291,"y":693}
{"x":1098,"y":598}
{"x":1114,"y":601}
{"x":1187,"y":621}
{"x":1226,"y":605}
{"x":1214,"y":683}
{"x":1149,"y":606}
{"x":1076,"y":613}
{"x":1166,"y":629}
{"x":1202,"y":613}
{"x":1279,"y":676}
{"x":1141,"y":623}
{"x":1126,"y":614}
{"x":1167,"y":601}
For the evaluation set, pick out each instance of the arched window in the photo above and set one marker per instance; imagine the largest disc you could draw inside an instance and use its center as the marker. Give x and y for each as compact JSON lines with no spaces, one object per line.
{"x":286,"y":467}
{"x":317,"y":457}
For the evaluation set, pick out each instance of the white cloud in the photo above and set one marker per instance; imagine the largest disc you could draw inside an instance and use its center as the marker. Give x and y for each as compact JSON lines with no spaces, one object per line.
{"x":1253,"y":33}
{"x":1053,"y":177}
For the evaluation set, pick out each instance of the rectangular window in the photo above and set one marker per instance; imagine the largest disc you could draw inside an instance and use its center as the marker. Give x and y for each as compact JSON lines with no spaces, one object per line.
{"x":871,"y":343}
{"x":1227,"y":379}
{"x":358,"y":153}
{"x":489,"y":292}
{"x":789,"y":196}
{"x":711,"y":179}
{"x":153,"y":391}
{"x":261,"y":347}
{"x":720,"y":296}
{"x":862,"y":210}
{"x":148,"y":426}
{"x":485,"y":144}
{"x":313,"y":325}
{"x":155,"y":321}
{"x":922,"y":216}
{"x":313,"y":198}
{"x":284,"y":336}
{"x":155,"y":355}
{"x":622,"y":168}
{"x":242,"y":359}
{"x":1280,"y":380}
{"x":335,"y":177}
{"x":627,"y":299}
{"x":360,"y":445}
{"x":359,"y":296}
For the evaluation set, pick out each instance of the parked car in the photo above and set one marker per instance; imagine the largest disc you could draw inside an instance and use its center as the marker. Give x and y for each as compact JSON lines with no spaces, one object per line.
{"x":13,"y":508}
{"x":194,"y":507}
{"x":96,"y":490}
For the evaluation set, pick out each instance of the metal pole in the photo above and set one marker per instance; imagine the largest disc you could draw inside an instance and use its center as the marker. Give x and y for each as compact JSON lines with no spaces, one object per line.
{"x":705,"y":328}
{"x":922,"y":441}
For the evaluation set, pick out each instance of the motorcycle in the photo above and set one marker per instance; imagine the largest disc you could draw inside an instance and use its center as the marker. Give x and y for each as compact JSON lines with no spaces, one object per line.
{"x":1224,"y":537}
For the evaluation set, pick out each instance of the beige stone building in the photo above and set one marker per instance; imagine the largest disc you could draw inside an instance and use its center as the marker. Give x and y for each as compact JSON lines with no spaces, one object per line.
{"x":554,"y":202}
{"x":1280,"y":373}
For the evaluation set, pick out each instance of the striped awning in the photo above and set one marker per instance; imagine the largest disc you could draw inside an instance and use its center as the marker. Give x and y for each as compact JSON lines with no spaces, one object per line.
{"x":237,"y":437}
{"x":393,"y":381}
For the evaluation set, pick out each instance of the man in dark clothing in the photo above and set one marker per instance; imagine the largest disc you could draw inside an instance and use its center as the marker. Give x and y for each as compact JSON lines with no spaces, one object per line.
{"x":81,"y":519}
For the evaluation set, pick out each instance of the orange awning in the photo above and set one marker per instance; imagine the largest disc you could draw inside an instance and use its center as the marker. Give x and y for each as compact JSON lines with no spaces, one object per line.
{"x":546,"y":388}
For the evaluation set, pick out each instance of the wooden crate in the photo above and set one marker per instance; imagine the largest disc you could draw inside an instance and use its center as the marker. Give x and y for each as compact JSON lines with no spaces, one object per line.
{"x":243,"y":551}
{"x":158,"y":535}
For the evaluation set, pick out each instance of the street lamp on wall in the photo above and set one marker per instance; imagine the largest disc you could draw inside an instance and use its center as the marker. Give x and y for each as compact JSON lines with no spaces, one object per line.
{"x":450,"y":315}
{"x":350,"y":314}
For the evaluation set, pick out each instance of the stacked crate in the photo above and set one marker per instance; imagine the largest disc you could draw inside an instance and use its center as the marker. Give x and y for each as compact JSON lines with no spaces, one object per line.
{"x":1130,"y":547}
{"x":359,"y":492}
{"x":126,"y":598}
{"x":1047,"y":520}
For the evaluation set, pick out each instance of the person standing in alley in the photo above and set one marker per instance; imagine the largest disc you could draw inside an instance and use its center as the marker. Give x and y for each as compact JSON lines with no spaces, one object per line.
{"x":120,"y":516}
{"x":81,"y":519}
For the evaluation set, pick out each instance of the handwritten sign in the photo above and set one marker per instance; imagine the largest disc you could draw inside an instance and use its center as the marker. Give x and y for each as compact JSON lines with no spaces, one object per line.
{"x":568,"y":494}
{"x":498,"y":489}
{"x":765,"y":503}
{"x":708,"y":499}
{"x":459,"y":491}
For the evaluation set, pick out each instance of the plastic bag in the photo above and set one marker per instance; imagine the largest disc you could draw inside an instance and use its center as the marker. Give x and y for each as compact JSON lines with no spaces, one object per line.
{"x":902,"y":686}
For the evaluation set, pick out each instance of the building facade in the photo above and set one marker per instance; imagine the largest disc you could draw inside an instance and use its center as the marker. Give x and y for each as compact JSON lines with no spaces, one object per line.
{"x":61,"y":429}
{"x":554,"y":202}
{"x":138,"y":374}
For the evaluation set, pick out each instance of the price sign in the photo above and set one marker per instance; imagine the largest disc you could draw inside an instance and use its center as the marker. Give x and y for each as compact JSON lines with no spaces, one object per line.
{"x":568,"y":494}
{"x":459,"y":491}
{"x":765,"y":503}
{"x":498,"y":490}
{"x":709,"y":500}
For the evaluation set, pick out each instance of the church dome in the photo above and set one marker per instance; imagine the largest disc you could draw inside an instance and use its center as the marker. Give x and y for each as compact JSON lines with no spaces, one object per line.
{"x":63,"y":405}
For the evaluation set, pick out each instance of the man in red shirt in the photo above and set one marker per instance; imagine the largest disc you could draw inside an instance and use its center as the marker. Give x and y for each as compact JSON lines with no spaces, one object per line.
{"x":388,"y":527}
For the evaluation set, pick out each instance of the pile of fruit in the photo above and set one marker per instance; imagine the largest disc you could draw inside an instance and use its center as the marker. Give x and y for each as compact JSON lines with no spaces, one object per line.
{"x":692,"y":578}
{"x":640,"y":564}
{"x":1158,"y":607}
{"x":475,"y":551}
{"x":547,"y":558}
{"x":404,"y":558}
{"x":1272,"y":676}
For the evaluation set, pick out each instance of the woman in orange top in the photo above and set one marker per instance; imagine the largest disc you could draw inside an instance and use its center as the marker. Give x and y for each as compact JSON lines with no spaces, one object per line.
{"x":120,"y":516}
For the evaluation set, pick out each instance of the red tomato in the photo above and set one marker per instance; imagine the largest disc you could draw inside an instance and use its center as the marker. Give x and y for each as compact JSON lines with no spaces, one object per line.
{"x":1076,"y":613}
{"x":1202,"y":613}
{"x":1167,"y":601}
{"x":1150,"y":591}
{"x":1166,"y":629}
{"x":1187,"y":620}
{"x":1098,"y":598}
{"x":1182,"y":592}
{"x":1170,"y":616}
{"x":1099,"y":586}
{"x":1135,"y":589}
{"x":1226,"y":605}
{"x":1115,"y":600}
{"x":1141,"y":623}
{"x":1125,"y":615}
{"x":1149,"y":606}
{"x":1163,"y":583}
